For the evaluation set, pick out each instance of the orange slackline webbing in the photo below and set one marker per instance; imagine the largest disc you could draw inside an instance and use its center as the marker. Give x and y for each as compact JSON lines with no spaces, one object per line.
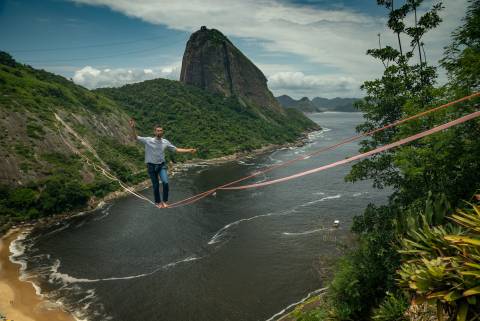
{"x":363,"y":155}
{"x":199,"y":196}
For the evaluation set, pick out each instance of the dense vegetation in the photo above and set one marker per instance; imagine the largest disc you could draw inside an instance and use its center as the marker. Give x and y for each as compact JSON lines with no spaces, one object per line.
{"x":27,"y":89}
{"x":49,"y":178}
{"x":410,"y":248}
{"x":213,"y":124}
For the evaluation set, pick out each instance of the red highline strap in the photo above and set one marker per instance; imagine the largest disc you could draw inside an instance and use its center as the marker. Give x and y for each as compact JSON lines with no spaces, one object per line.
{"x":363,"y":155}
{"x":199,"y":196}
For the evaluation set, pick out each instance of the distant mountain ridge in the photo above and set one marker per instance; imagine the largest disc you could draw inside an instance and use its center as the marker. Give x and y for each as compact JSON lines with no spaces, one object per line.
{"x":318,"y":104}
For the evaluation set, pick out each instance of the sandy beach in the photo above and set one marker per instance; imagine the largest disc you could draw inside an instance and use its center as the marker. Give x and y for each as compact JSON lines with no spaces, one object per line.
{"x":18,"y":300}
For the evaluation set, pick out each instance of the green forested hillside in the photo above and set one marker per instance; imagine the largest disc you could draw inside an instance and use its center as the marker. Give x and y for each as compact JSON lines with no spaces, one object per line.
{"x":47,"y":121}
{"x":40,"y":171}
{"x":213,"y":124}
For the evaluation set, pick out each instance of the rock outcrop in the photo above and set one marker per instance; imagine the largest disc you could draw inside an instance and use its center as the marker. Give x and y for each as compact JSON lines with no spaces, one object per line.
{"x":213,"y":63}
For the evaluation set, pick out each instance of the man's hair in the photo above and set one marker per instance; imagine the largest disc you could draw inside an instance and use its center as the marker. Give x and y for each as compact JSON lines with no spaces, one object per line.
{"x":157,"y":126}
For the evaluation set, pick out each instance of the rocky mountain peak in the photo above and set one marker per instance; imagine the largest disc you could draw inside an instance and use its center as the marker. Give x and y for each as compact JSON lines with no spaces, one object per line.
{"x":213,"y":63}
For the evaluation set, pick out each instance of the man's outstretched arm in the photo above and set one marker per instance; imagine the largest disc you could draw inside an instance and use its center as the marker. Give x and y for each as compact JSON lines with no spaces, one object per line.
{"x":133,"y":127}
{"x":186,"y":150}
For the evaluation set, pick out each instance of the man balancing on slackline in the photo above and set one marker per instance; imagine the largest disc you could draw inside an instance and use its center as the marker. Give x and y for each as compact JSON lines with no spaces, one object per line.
{"x":155,"y":160}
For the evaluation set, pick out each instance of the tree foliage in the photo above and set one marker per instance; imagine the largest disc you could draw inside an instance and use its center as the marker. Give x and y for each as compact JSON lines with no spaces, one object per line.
{"x":462,"y":56}
{"x":428,"y":177}
{"x":441,"y":265}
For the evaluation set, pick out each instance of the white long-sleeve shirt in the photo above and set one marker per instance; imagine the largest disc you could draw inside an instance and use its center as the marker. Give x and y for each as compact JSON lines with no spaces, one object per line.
{"x":155,"y":149}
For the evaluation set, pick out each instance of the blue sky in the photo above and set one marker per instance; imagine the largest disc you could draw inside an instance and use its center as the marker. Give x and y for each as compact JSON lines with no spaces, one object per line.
{"x":305,"y":48}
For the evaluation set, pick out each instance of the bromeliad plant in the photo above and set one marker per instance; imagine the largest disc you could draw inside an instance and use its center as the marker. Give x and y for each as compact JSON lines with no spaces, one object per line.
{"x":441,"y":265}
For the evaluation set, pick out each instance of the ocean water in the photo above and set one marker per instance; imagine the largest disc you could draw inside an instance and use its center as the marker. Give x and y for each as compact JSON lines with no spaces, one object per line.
{"x":239,"y":255}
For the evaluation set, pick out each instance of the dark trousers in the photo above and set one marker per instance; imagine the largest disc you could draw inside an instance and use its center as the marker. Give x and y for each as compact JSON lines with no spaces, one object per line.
{"x":155,"y":170}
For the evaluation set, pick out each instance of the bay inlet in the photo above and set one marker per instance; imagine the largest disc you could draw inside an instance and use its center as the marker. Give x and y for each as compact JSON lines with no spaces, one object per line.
{"x":238,"y":255}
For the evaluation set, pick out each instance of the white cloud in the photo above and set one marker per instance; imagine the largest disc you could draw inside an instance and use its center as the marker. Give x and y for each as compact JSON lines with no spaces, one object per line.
{"x":297,"y":85}
{"x":334,"y":38}
{"x":270,"y":69}
{"x":91,"y":77}
{"x":337,"y":38}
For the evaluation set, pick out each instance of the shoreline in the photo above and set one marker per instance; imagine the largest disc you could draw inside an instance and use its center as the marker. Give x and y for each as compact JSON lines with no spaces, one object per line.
{"x":20,"y":300}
